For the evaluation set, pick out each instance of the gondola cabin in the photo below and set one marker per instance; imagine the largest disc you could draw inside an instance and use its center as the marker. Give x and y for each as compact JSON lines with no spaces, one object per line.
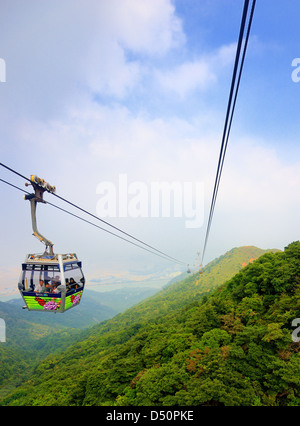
{"x":51,"y":283}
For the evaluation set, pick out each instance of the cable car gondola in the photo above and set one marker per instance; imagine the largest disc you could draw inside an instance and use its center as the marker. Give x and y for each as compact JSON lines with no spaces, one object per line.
{"x":199,"y":260}
{"x":49,"y":282}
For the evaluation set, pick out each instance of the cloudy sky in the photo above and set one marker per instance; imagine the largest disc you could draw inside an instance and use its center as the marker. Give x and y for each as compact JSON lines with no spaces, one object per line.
{"x":109,"y":98}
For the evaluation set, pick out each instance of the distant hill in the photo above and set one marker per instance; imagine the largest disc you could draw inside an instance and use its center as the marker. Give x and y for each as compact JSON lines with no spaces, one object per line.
{"x":196,"y":342}
{"x":125,"y":297}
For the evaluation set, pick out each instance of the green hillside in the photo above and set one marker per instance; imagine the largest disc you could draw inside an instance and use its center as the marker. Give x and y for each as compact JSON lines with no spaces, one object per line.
{"x":28,"y":339}
{"x":31,"y":336}
{"x":189,"y":345}
{"x":189,"y":290}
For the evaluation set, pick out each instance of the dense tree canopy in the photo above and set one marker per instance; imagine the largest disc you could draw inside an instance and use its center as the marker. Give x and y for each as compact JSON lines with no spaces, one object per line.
{"x":188,"y":346}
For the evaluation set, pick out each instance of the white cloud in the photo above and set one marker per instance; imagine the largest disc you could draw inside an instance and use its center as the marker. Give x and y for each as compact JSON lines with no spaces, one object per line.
{"x":199,"y":74}
{"x":149,"y":27}
{"x":111,"y":74}
{"x":56,"y":51}
{"x":255,"y":178}
{"x":258,"y":181}
{"x":187,"y":77}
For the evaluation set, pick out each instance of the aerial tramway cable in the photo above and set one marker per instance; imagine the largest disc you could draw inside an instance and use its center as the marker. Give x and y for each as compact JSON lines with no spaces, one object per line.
{"x":103,"y":221}
{"x":230,"y":108}
{"x":157,"y":253}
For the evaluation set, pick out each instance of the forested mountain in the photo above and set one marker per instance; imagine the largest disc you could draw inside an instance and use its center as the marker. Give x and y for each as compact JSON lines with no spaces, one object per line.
{"x":194,"y":343}
{"x":31,"y":336}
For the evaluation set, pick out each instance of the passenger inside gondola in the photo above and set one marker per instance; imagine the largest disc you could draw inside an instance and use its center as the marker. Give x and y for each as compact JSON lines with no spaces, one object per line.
{"x":56,"y":290}
{"x":73,"y":284}
{"x":74,"y":278}
{"x":52,"y":284}
{"x":41,"y":287}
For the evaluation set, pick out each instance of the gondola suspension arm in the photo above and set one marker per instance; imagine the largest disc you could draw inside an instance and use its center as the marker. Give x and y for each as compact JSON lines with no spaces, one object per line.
{"x":39,"y":186}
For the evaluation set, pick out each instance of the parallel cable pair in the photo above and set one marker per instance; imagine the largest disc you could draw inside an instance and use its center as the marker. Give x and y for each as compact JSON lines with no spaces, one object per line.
{"x":145,"y":246}
{"x":230,"y":108}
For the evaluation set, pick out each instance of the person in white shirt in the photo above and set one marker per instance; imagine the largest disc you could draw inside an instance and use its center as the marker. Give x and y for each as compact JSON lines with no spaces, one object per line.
{"x":40,"y":288}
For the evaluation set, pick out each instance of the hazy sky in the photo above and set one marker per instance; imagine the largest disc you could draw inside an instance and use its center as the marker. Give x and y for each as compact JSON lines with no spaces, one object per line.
{"x":99,"y":92}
